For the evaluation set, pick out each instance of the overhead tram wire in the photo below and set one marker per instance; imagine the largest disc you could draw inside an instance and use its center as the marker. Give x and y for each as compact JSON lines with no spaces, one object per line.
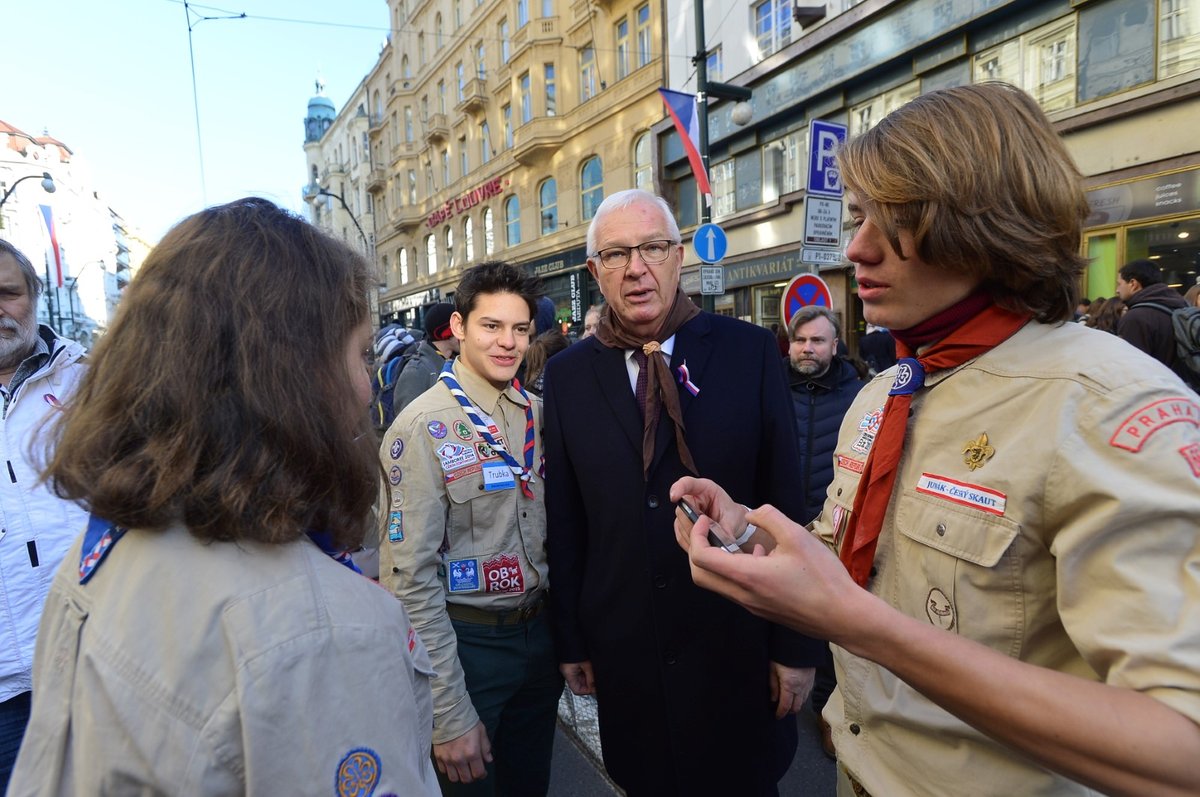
{"x":187,"y":13}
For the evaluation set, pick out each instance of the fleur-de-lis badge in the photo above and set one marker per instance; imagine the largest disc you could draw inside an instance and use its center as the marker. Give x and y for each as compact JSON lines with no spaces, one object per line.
{"x":977,"y":452}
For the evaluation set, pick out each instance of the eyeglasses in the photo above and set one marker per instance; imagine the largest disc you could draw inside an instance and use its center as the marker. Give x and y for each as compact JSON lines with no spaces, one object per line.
{"x":652,"y":253}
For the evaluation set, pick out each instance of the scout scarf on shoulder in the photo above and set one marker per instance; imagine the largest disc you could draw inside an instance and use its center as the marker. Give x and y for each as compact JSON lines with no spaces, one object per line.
{"x":660,"y":389}
{"x":983,"y":331}
{"x":522,"y":473}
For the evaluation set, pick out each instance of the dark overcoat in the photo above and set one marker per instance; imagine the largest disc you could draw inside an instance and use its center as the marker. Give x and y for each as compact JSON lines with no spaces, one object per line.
{"x":681,"y":673}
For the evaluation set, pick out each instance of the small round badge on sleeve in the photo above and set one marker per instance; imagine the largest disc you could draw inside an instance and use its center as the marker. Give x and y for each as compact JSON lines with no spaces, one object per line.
{"x":910,"y":377}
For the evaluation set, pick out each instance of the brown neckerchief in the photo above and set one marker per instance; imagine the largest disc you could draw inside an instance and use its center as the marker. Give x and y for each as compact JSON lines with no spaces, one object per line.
{"x":660,"y":390}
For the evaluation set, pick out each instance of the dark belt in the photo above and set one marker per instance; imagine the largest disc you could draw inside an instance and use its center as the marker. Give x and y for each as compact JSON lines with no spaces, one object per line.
{"x":471,"y":614}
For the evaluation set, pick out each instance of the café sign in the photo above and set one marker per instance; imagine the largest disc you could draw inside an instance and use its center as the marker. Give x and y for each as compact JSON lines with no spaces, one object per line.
{"x":464,"y":202}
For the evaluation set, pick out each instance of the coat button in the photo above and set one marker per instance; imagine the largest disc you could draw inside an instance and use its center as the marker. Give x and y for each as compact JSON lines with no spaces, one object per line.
{"x":652,"y":502}
{"x":941,"y":529}
{"x":854,"y":729}
{"x":660,"y":581}
{"x":669,"y":657}
{"x":839,"y":492}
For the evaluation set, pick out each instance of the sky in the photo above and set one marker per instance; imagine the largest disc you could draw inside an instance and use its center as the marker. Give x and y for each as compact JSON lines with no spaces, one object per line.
{"x":113,"y":81}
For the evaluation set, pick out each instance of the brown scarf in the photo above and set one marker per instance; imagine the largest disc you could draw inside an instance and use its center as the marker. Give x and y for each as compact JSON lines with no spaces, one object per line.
{"x":661,"y":391}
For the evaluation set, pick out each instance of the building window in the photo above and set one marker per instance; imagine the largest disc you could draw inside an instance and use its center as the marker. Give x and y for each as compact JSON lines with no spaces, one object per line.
{"x":865,"y":116}
{"x":551,"y":91}
{"x":506,"y":116}
{"x":402,"y":260}
{"x":512,"y":220}
{"x":782,"y":161}
{"x":481,"y":62}
{"x":591,"y":186}
{"x":522,"y":13}
{"x":431,"y":253}
{"x":438,"y":32}
{"x":489,"y":233}
{"x":421,"y":49}
{"x":408,"y":124}
{"x":405,"y":69}
{"x":430,"y":188}
{"x":642,"y":14}
{"x":460,"y":75}
{"x":464,"y":163}
{"x":641,"y":163}
{"x":469,"y":239}
{"x":622,"y":37}
{"x":548,"y":205}
{"x":387,"y":274}
{"x":1050,"y":65}
{"x":724,"y":188}
{"x":458,"y":15}
{"x":441,"y":96}
{"x":526,"y":99}
{"x":716,"y":64}
{"x":505,"y":44}
{"x":445,"y":167}
{"x":412,"y":186}
{"x":547,"y":8}
{"x":587,"y":73}
{"x":485,"y":142}
{"x":772,"y":26}
{"x":449,"y":246}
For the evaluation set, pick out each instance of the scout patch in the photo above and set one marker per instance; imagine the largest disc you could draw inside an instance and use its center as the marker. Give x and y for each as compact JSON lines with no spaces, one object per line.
{"x":437,"y":429}
{"x":868,"y":427}
{"x":357,"y":773}
{"x":462,"y":430}
{"x":397,"y":448}
{"x":976,"y":452}
{"x":850,"y":463}
{"x":939,"y":610}
{"x":498,"y":476}
{"x":394,"y":475}
{"x":463,"y":575}
{"x":1192,"y":455}
{"x":972,"y":495}
{"x":454,"y":456}
{"x":1135,"y":430}
{"x":462,"y":473}
{"x":396,"y":526}
{"x":484,"y":450}
{"x":839,"y":516}
{"x":503,"y":574}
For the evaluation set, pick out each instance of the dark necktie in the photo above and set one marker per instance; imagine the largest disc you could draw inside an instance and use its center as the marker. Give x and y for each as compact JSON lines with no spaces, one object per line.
{"x":639,"y":392}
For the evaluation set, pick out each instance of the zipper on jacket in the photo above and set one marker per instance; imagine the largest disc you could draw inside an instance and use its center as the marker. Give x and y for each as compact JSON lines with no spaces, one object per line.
{"x":12,"y":475}
{"x":31,"y":546}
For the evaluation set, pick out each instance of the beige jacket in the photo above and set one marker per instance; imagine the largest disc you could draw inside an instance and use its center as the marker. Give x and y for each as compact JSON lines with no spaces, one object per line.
{"x":182,"y":668}
{"x":1071,"y":545}
{"x":449,"y":539}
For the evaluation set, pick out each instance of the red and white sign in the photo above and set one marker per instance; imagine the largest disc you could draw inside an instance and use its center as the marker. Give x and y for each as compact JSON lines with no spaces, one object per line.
{"x":803,"y":290}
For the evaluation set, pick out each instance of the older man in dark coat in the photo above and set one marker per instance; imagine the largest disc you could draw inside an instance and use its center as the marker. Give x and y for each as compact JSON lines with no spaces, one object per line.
{"x":694,"y":693}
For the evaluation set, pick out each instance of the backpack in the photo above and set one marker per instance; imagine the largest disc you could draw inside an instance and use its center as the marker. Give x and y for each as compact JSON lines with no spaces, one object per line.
{"x":1186,"y":323}
{"x":383,"y":385}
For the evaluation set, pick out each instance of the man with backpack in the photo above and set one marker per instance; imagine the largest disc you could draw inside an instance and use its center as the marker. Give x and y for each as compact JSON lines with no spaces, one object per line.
{"x":423,"y":364}
{"x":1149,"y":322}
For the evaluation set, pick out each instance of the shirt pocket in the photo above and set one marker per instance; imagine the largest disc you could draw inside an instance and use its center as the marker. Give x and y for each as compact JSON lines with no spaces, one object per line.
{"x":960,"y":569}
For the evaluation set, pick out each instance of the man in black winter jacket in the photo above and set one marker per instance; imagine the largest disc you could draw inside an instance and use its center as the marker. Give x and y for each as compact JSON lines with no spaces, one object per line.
{"x":822,"y":385}
{"x":1147,"y":321}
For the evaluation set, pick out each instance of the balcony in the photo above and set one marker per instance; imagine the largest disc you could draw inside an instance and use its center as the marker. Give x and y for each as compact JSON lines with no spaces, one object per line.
{"x":538,"y":139}
{"x":406,"y":218}
{"x":436,"y":128}
{"x":376,"y":180}
{"x":474,"y":97}
{"x":536,"y":33}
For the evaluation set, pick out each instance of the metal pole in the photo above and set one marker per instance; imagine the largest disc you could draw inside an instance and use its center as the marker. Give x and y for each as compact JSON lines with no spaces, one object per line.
{"x":50,"y":299}
{"x":707,"y":303}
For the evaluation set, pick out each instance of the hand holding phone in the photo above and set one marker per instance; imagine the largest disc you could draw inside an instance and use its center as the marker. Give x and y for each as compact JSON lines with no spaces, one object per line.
{"x":717,"y":536}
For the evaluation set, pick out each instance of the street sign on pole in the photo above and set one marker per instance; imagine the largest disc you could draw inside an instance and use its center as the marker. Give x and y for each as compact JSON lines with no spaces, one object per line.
{"x":803,"y":290}
{"x":712,"y":280}
{"x":822,"y":221}
{"x":823,"y":141}
{"x":821,"y":256}
{"x":710,"y":243}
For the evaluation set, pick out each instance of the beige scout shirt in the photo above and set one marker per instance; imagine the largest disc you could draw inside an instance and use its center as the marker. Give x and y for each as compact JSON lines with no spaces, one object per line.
{"x":448,"y":538}
{"x":197,"y":669}
{"x":1064,"y":546}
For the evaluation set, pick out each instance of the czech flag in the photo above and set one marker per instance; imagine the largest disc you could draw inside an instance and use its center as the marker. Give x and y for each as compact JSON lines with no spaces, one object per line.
{"x":685,"y":115}
{"x":48,"y":215}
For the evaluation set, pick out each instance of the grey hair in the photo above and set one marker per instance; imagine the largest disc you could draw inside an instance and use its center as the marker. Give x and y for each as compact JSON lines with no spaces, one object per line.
{"x":623,"y":199}
{"x":811,"y":312}
{"x":33,"y":283}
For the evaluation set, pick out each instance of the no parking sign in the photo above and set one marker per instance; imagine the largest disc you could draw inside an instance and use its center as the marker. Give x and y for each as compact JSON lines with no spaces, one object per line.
{"x":803,"y":290}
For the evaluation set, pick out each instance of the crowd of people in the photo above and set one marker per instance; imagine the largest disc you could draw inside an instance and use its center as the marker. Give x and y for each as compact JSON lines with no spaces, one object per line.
{"x":975,"y":552}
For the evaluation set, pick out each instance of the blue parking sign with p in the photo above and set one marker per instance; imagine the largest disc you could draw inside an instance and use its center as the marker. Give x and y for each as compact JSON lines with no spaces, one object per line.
{"x":824,"y":138}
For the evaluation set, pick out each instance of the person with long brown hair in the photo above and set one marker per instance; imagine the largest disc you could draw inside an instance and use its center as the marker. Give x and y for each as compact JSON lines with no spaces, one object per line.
{"x":208,"y":634}
{"x":1007,"y":562}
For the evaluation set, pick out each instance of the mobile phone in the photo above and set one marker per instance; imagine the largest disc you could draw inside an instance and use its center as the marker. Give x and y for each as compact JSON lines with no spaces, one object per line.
{"x":717,"y":536}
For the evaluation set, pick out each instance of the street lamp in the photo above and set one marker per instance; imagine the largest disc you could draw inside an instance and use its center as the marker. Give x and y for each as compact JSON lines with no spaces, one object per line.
{"x":47,"y":184}
{"x":314,"y":190}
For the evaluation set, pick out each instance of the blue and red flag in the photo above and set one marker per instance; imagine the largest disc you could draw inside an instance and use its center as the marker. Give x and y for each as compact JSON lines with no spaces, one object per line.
{"x":48,"y":215}
{"x":685,"y":115}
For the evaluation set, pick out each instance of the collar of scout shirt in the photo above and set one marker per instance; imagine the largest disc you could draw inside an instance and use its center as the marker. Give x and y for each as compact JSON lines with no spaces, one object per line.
{"x":482,"y":393}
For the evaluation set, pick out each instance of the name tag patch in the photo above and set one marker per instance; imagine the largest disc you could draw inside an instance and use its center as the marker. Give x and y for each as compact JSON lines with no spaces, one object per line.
{"x":503,"y":574}
{"x":850,"y":463}
{"x":463,"y":575}
{"x":972,"y":495}
{"x":455,"y":455}
{"x":1135,"y":430}
{"x":498,"y":477}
